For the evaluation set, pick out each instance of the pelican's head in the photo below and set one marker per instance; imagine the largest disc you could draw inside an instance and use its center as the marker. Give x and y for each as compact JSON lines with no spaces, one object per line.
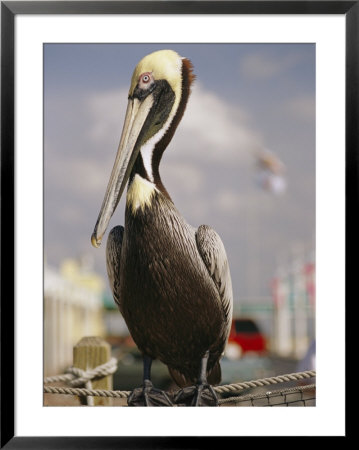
{"x":156,"y":101}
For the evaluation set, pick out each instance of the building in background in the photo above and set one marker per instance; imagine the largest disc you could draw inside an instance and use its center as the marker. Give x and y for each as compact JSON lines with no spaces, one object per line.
{"x":287,"y":319}
{"x":73,"y":308}
{"x":293,"y":290}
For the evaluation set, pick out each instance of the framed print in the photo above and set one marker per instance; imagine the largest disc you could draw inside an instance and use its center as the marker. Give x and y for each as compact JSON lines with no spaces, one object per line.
{"x":266,"y":153}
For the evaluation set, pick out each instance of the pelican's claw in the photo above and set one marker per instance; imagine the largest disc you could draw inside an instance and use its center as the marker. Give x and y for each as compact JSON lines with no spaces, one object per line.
{"x":199,"y":395}
{"x":147,"y":395}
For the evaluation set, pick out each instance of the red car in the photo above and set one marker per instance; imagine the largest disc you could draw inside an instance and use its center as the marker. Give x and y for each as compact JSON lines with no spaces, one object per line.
{"x":245,"y":337}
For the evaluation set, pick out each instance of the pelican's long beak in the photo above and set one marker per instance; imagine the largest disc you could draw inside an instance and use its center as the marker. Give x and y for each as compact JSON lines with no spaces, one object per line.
{"x":129,"y":147}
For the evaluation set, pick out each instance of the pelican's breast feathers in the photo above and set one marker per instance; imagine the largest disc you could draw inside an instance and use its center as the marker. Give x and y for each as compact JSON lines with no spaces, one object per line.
{"x":140,"y":193}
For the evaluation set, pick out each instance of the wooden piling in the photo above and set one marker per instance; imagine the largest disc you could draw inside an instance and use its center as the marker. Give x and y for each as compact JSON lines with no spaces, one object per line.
{"x":89,"y":353}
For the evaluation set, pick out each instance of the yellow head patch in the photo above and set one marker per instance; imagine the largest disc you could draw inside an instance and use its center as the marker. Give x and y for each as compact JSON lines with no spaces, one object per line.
{"x":164,"y":65}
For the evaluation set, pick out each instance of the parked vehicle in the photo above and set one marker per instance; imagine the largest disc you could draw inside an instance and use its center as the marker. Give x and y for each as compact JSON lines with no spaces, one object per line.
{"x":245,"y":337}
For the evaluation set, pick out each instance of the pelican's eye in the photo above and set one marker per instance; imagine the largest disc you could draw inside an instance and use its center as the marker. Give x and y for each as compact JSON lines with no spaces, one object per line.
{"x":145,"y":80}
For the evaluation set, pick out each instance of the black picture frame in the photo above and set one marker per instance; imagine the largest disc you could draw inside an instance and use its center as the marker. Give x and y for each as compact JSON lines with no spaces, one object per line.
{"x":9,"y":10}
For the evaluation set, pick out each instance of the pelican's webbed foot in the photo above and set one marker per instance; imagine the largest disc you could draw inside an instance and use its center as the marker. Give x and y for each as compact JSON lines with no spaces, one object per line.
{"x":198,"y":395}
{"x":147,"y":395}
{"x":202,"y":394}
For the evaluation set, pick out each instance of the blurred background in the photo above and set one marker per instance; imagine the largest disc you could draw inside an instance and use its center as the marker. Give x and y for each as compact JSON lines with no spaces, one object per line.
{"x":241,"y":161}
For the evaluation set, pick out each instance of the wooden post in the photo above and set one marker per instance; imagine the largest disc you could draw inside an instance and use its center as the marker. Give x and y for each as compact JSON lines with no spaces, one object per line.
{"x":89,"y":353}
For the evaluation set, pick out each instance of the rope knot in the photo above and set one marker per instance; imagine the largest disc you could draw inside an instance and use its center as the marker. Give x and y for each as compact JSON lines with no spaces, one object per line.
{"x":83,"y":377}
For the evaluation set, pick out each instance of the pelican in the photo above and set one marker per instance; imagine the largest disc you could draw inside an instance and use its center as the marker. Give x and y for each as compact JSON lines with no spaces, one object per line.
{"x":171,"y":281}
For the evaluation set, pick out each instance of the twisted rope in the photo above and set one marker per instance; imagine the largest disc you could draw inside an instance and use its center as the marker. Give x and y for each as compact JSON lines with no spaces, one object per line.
{"x":220,"y":389}
{"x":78,"y":377}
{"x":81,"y":392}
{"x":265,"y":381}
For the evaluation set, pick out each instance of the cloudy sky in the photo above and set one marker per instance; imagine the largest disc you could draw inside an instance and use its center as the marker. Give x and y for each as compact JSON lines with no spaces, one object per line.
{"x":247,"y":99}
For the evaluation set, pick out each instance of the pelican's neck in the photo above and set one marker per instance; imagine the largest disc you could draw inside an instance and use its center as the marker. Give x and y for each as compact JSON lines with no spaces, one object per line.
{"x":148,"y":161}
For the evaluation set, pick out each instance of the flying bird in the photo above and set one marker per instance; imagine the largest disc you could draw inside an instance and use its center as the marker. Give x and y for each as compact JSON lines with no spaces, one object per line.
{"x":271,"y":172}
{"x":171,"y":281}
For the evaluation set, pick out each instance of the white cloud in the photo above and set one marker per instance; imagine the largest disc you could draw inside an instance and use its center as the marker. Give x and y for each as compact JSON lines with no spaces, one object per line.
{"x":216,"y":128}
{"x":210,"y":128}
{"x":107,"y":112}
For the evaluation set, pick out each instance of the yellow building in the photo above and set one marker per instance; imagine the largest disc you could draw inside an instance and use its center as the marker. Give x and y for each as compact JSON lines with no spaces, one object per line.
{"x":72,"y":309}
